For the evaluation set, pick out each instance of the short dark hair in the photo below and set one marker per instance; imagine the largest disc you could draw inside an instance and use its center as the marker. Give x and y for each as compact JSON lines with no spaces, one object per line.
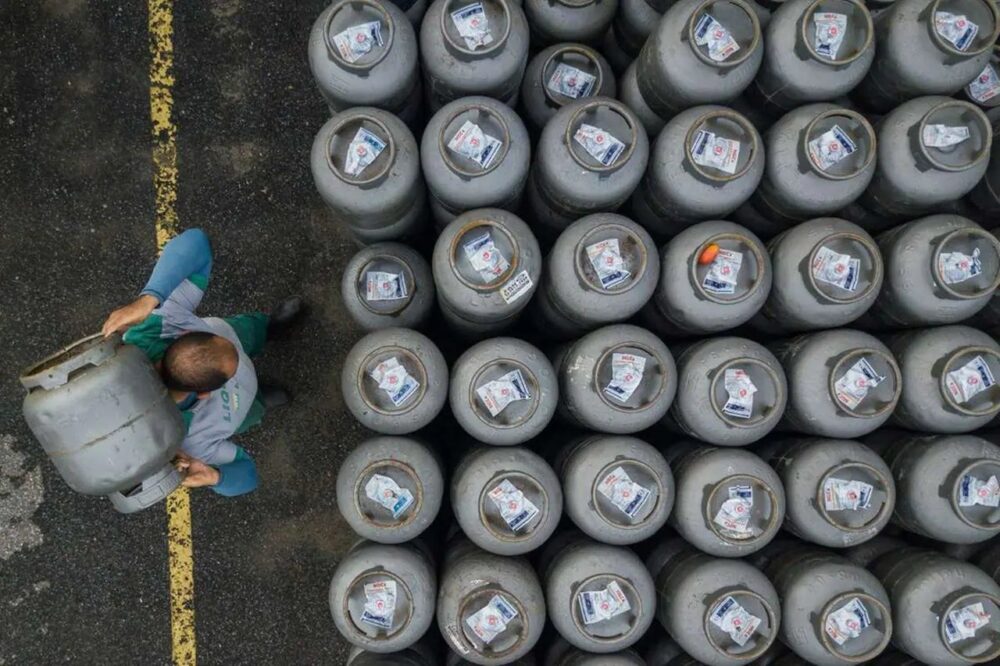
{"x":194,"y":362}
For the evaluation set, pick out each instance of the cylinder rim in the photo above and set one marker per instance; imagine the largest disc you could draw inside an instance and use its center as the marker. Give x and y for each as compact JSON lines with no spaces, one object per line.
{"x":943,"y":635}
{"x":581,"y":249}
{"x":807,"y":136}
{"x":874,"y":255}
{"x":417,"y":398}
{"x":943,"y":382}
{"x":735,"y":117}
{"x":719,"y":375}
{"x":949,"y":48}
{"x":745,"y":592}
{"x":622,"y":111}
{"x":514,"y":260}
{"x":883,"y":611}
{"x":725,"y":64}
{"x":957,"y":489}
{"x":984,"y":151}
{"x":852,"y":354}
{"x":42,"y":375}
{"x":418,"y":492}
{"x":331,"y":47}
{"x":581,"y":49}
{"x":772,"y":520}
{"x":758,"y":260}
{"x":405,"y":301}
{"x":376,"y":176}
{"x":885,"y":482}
{"x":604,"y":358}
{"x":936,"y":266}
{"x":460,"y":47}
{"x":803,"y":33}
{"x":626,"y":586}
{"x":379,"y":571}
{"x":490,"y":589}
{"x":445,"y":152}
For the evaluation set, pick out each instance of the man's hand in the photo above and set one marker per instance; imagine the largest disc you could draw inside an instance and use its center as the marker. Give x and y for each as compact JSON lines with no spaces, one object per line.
{"x":195,"y":473}
{"x":130,"y":315}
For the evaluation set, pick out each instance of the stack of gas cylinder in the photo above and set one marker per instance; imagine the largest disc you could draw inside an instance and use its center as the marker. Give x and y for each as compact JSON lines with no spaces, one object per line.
{"x":680,"y":326}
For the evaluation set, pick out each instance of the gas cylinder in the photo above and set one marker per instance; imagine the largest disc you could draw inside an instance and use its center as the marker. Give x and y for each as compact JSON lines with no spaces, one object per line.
{"x":841,"y":383}
{"x":366,"y":166}
{"x":628,"y":92}
{"x":559,"y":75}
{"x":984,"y":90}
{"x":985,"y":196}
{"x":839,"y":493}
{"x":473,"y":48}
{"x":729,"y":503}
{"x":554,"y":21}
{"x":506,"y":499}
{"x":715,"y":276}
{"x":504,"y":391}
{"x":474,"y":153}
{"x":394,"y":381}
{"x":741,"y":381}
{"x":865,"y":553}
{"x":634,"y":22}
{"x":487,"y":266}
{"x":618,"y":379}
{"x":388,"y":285}
{"x":705,"y":163}
{"x":590,"y":157}
{"x":563,"y":654}
{"x":389,"y":489}
{"x":102,"y":414}
{"x":364,"y":53}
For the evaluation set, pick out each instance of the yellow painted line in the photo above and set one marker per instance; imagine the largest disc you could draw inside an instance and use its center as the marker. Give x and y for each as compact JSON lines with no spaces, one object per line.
{"x":180,"y":550}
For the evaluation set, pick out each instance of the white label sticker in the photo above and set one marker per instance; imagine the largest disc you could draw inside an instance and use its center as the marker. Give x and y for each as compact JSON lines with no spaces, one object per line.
{"x":711,"y":150}
{"x":846,"y":495}
{"x":964,"y":622}
{"x":840,"y":270}
{"x":607,"y":260}
{"x":853,"y":387}
{"x":735,"y":621}
{"x":380,"y":603}
{"x":735,"y":512}
{"x":944,"y":136}
{"x":720,"y":42}
{"x":356,"y":41}
{"x":626,"y":375}
{"x":740,"y":389}
{"x":986,"y":86}
{"x":722,"y":274}
{"x":395,"y":381}
{"x":958,"y":267}
{"x":603,"y":604}
{"x":470,"y":141}
{"x":387,"y":492}
{"x":517,"y":287}
{"x":571,"y":82}
{"x":956,"y":28}
{"x":516,"y":509}
{"x":492,"y":619}
{"x":499,"y":393}
{"x":623,"y":492}
{"x":362,"y":151}
{"x":830,"y":29}
{"x":385,"y":286}
{"x":975,"y":491}
{"x":969,"y":380}
{"x":602,"y":146}
{"x":486,"y":258}
{"x":830,"y":147}
{"x":472,"y":25}
{"x":847,"y":622}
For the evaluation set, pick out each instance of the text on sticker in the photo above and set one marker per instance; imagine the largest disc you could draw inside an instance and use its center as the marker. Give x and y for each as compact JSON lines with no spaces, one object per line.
{"x":358,"y":40}
{"x":847,"y":622}
{"x":470,"y":141}
{"x":735,"y":621}
{"x":382,"y":286}
{"x":723,"y":272}
{"x":516,"y":509}
{"x":385,"y":491}
{"x":711,"y":150}
{"x":853,"y":387}
{"x":973,"y":491}
{"x":740,"y":389}
{"x":955,"y":28}
{"x":362,"y":151}
{"x":830,"y":147}
{"x":496,"y":394}
{"x":846,"y":495}
{"x":971,"y":379}
{"x":395,"y":381}
{"x":517,"y":287}
{"x":840,"y":270}
{"x":492,"y":619}
{"x":735,"y":513}
{"x":956,"y":267}
{"x":830,"y":29}
{"x":472,"y":25}
{"x":626,"y":375}
{"x":599,"y":605}
{"x":606,"y":258}
{"x":964,"y":622}
{"x":380,"y":603}
{"x":571,"y":82}
{"x":601,"y":145}
{"x":623,"y":492}
{"x":985,"y":86}
{"x":486,"y":258}
{"x":944,"y":136}
{"x":712,"y":34}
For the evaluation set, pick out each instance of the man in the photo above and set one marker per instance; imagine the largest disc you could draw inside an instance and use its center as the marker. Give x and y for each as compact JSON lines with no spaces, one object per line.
{"x":205,"y":363}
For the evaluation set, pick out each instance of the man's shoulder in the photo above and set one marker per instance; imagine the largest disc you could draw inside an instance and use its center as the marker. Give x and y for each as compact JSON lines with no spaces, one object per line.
{"x":148,"y":336}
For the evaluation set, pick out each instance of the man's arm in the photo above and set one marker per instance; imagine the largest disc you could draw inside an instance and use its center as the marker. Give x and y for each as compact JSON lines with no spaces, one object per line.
{"x":229,"y":479}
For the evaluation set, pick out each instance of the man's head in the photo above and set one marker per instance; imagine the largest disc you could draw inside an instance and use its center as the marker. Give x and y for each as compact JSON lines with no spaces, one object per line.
{"x":199,"y":363}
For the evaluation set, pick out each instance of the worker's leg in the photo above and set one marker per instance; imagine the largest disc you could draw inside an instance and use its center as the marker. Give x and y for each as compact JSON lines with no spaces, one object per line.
{"x":251,"y":329}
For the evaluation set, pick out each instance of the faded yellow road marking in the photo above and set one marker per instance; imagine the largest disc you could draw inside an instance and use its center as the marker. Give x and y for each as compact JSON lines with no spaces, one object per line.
{"x":180,"y":551}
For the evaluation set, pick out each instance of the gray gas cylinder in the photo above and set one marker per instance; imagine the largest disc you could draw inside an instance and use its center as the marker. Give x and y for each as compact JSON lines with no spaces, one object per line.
{"x":504,"y":391}
{"x":617,"y":489}
{"x":554,"y":21}
{"x":938,"y":607}
{"x":812,"y":169}
{"x":715,"y":276}
{"x":600,"y":598}
{"x":689,"y":60}
{"x":366,"y":166}
{"x":865,"y":553}
{"x":943,"y":486}
{"x":985,"y":196}
{"x":473,"y":48}
{"x":931,"y":150}
{"x":364,"y":53}
{"x":989,"y":317}
{"x":561,"y":74}
{"x":730,"y":503}
{"x":618,"y":379}
{"x":422,"y":653}
{"x":827,"y":273}
{"x":722,"y":612}
{"x":455,"y":659}
{"x":389,"y":489}
{"x":102,"y":414}
{"x":662,"y":649}
{"x":840,"y":493}
{"x":940,"y":269}
{"x":563,"y":654}
{"x":915,"y":58}
{"x":841,"y":383}
{"x":590,"y":157}
{"x":603,"y":268}
{"x":814,"y":51}
{"x":833,"y":611}
{"x":491,"y":609}
{"x":394,"y":381}
{"x":705,"y":163}
{"x":474,"y":153}
{"x":382,"y":596}
{"x":628,"y":93}
{"x":617,"y":57}
{"x":487,"y":266}
{"x":388,"y":285}
{"x":984,"y":90}
{"x":635,"y":21}
{"x":742,"y":414}
{"x":948,"y":379}
{"x":507,"y":500}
